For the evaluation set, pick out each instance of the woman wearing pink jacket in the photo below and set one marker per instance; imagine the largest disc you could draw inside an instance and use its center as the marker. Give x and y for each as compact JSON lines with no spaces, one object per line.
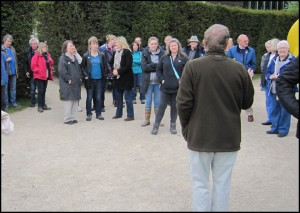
{"x":41,"y":66}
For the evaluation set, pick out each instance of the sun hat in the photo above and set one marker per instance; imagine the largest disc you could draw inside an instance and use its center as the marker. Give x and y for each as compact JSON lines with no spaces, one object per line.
{"x":194,"y":38}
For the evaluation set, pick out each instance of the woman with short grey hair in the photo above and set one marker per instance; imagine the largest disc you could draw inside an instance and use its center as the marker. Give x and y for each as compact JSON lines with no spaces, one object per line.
{"x":281,"y":119}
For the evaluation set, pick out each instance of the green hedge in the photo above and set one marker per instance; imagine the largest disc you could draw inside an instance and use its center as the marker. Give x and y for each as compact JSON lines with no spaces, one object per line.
{"x":17,"y":19}
{"x":80,"y":20}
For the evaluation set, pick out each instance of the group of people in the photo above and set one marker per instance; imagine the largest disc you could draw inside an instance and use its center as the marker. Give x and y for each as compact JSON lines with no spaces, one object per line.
{"x":207,"y":93}
{"x":154,"y":71}
{"x":37,"y":66}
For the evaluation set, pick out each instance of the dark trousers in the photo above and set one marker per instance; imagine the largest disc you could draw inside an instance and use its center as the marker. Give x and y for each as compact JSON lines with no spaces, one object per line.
{"x":104,"y":87}
{"x":166,"y":98}
{"x":33,"y":87}
{"x":42,"y":87}
{"x":94,"y":93}
{"x":128,"y":100}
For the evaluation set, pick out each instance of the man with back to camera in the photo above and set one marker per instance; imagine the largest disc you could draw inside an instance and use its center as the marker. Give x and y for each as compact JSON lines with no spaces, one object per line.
{"x":213,"y":91}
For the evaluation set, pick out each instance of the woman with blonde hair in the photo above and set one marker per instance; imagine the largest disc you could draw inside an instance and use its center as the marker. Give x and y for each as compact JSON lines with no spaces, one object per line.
{"x":122,"y":69}
{"x":229,"y":44}
{"x":41,"y":66}
{"x":271,"y":47}
{"x":150,"y":83}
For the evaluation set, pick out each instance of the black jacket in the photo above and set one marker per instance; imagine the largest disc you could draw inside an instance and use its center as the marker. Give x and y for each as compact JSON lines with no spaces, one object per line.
{"x":165,"y":72}
{"x":199,"y":52}
{"x":285,"y":88}
{"x":86,"y":67}
{"x":125,"y":81}
{"x":29,"y":53}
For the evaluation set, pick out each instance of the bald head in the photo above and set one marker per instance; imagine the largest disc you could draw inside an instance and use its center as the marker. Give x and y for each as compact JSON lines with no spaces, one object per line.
{"x":243,"y":40}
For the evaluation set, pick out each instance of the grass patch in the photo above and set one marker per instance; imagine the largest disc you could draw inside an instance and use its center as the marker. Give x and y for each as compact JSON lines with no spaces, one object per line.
{"x":257,"y":76}
{"x":24,"y":102}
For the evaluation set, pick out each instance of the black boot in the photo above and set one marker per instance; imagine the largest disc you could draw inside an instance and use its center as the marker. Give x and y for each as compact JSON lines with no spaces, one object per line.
{"x":173,"y":128}
{"x":155,"y":129}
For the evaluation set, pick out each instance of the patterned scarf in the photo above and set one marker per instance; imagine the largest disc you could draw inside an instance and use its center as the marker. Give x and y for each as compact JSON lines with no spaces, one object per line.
{"x":118,"y":56}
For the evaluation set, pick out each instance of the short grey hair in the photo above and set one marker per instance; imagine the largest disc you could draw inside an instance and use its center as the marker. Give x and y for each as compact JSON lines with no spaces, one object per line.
{"x":32,"y":40}
{"x":216,"y":37}
{"x":7,"y":37}
{"x":284,"y":42}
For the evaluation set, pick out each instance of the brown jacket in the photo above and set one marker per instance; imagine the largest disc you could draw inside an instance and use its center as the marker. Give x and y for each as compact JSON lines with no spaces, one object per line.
{"x":213,"y":91}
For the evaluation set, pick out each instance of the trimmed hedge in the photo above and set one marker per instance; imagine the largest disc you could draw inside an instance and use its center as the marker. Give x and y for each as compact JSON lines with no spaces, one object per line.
{"x":17,"y":19}
{"x":80,"y":20}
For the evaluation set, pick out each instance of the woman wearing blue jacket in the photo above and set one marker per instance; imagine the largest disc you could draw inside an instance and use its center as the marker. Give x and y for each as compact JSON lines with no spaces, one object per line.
{"x":4,"y":80}
{"x":137,"y":72}
{"x":281,"y":119}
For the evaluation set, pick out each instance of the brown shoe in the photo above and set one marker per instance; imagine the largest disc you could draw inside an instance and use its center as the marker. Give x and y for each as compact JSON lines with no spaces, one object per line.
{"x":129,"y":119}
{"x":250,"y":118}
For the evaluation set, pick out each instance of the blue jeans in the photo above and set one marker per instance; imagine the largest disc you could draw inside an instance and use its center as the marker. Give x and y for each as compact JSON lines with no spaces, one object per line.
{"x":137,"y":83}
{"x":95,"y":92}
{"x":166,"y":98}
{"x":42,"y":87}
{"x":33,"y":87}
{"x":128,"y":100}
{"x":12,"y":81}
{"x":281,"y":119}
{"x":152,"y":89}
{"x":268,"y":103}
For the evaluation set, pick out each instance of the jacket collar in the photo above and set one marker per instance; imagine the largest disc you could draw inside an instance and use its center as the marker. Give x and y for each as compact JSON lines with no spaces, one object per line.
{"x":216,"y":52}
{"x":239,"y":49}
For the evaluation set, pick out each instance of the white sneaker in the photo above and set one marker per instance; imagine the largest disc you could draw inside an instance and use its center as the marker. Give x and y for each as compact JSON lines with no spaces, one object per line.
{"x":79,"y":109}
